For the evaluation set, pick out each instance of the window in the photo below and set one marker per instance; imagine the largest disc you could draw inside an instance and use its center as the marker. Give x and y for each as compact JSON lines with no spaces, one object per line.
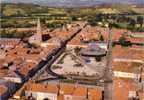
{"x":46,"y":99}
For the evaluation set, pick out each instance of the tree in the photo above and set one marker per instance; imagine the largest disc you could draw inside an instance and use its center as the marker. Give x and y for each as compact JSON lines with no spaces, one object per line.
{"x":122,"y":39}
{"x":100,"y":36}
{"x":132,"y":24}
{"x":124,"y":42}
{"x":99,"y":17}
{"x":74,"y":18}
{"x":140,"y":20}
{"x":18,"y":13}
{"x":15,"y":23}
{"x":43,"y":20}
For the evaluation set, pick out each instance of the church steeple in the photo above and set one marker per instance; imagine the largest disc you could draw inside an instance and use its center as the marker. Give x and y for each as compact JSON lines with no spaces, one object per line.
{"x":39,"y":30}
{"x":37,"y":37}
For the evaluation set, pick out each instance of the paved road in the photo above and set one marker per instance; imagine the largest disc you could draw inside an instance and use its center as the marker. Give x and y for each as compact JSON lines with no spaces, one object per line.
{"x":47,"y":67}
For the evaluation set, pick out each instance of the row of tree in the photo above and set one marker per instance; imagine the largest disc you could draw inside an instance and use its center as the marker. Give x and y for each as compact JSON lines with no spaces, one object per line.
{"x":119,"y":21}
{"x":16,"y":24}
{"x":14,"y":34}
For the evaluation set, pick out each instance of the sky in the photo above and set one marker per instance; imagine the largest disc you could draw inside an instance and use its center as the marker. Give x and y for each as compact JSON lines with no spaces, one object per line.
{"x":77,"y":2}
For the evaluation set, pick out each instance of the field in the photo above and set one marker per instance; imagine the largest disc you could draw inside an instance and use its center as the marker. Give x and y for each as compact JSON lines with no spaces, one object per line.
{"x":25,"y":16}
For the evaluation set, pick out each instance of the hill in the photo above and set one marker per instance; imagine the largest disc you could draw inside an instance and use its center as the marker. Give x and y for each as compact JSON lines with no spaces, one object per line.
{"x":75,"y":3}
{"x":22,"y":9}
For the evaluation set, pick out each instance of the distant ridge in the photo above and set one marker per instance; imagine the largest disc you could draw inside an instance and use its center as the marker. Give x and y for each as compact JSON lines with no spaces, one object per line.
{"x":75,"y":3}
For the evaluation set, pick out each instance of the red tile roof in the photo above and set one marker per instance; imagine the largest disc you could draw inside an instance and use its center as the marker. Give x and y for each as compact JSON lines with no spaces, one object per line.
{"x":3,"y":89}
{"x":50,"y":88}
{"x":67,"y":89}
{"x":94,"y":94}
{"x":127,"y":52}
{"x":130,"y":67}
{"x":122,"y":87}
{"x":80,"y":91}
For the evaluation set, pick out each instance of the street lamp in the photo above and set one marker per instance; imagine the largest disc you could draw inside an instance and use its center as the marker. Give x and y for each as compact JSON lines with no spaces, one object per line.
{"x":108,"y":84}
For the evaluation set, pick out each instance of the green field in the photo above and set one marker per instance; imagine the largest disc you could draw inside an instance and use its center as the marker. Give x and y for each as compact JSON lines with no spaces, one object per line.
{"x":25,"y":15}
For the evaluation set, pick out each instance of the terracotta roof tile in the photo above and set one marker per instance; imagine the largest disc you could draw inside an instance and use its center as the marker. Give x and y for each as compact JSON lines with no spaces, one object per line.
{"x":80,"y":91}
{"x":94,"y":94}
{"x":127,"y":52}
{"x":66,"y":89}
{"x":50,"y":88}
{"x":3,"y":89}
{"x":131,"y":67}
{"x":122,"y":88}
{"x":60,"y":97}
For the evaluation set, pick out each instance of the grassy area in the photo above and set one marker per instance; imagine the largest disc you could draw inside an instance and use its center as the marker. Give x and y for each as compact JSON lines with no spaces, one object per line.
{"x":61,"y":61}
{"x":25,"y":15}
{"x":14,"y":34}
{"x":56,"y":67}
